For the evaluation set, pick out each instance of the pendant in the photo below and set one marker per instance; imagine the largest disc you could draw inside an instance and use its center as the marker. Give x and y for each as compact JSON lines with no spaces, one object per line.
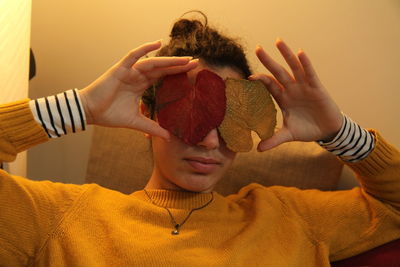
{"x":176,"y":231}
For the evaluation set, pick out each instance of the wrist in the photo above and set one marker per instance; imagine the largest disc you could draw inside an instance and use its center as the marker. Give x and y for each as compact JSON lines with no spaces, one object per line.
{"x":334,"y":133}
{"x":85,"y":105}
{"x":329,"y":138}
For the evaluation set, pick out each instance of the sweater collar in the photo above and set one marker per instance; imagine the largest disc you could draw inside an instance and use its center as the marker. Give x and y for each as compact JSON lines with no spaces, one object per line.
{"x":174,"y":199}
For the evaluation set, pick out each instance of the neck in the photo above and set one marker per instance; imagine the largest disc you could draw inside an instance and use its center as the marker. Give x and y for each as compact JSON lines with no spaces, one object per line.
{"x":174,"y":199}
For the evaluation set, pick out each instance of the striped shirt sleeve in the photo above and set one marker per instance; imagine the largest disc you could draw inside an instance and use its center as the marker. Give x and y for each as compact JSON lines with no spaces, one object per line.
{"x":60,"y":114}
{"x":352,"y":143}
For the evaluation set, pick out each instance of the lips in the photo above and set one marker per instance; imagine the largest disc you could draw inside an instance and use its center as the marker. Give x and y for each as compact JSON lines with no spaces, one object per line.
{"x":203,"y":165}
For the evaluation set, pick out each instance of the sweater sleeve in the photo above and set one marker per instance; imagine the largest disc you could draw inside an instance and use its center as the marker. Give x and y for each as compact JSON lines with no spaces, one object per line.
{"x":29,"y":210}
{"x":18,"y":130}
{"x":346,"y":223}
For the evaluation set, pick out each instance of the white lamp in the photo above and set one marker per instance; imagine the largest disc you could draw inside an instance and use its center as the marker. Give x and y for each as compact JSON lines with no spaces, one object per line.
{"x":15,"y":26}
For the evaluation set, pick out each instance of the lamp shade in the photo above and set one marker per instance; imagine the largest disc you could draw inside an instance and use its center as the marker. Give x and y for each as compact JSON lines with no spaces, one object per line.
{"x":15,"y":24}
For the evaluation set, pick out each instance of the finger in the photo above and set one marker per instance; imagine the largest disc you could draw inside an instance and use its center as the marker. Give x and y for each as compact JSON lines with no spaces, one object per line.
{"x":272,"y":85}
{"x":291,"y":60}
{"x":149,"y":64}
{"x":134,"y":55}
{"x":161,"y":72}
{"x":277,"y":70}
{"x":310,"y":73}
{"x":280,"y":137}
{"x":151,"y":127}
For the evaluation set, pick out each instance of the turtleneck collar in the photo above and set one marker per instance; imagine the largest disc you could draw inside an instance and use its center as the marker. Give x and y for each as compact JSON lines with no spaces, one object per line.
{"x":174,"y":199}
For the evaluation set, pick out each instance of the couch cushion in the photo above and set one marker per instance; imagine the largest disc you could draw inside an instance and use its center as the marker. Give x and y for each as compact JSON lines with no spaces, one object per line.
{"x":387,"y":255}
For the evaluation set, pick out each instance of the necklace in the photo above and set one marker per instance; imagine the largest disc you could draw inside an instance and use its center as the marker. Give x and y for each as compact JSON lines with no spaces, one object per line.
{"x":176,"y":225}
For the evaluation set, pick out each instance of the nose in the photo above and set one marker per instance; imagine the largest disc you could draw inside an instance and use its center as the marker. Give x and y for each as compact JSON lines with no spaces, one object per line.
{"x":210,"y":141}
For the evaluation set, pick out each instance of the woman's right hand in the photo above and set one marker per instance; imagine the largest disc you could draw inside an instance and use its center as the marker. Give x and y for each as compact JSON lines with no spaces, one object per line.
{"x":113,"y":99}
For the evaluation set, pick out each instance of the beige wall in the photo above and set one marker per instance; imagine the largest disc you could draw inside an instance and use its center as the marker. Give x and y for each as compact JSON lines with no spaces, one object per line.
{"x":354,"y":46}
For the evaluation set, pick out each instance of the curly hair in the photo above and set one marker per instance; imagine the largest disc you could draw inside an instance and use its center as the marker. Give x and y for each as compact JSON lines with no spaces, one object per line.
{"x":190,"y":37}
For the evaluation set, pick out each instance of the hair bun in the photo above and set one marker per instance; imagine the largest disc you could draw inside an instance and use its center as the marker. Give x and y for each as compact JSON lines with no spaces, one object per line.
{"x":185,"y":28}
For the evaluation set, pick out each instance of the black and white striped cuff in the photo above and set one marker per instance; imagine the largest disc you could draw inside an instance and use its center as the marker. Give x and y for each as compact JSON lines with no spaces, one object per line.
{"x":352,"y":143}
{"x":59,"y":114}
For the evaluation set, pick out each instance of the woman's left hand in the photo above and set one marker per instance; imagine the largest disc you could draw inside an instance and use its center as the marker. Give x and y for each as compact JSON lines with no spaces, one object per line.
{"x":309,"y":113}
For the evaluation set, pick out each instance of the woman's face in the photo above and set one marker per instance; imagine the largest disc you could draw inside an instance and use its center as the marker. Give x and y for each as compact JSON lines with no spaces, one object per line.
{"x":179,"y":166}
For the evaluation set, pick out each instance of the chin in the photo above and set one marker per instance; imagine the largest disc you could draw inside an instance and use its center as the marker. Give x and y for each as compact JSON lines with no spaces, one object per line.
{"x":197,"y":183}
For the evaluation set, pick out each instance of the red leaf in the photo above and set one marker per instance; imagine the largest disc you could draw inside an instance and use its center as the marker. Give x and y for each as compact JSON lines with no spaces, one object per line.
{"x":191,"y":112}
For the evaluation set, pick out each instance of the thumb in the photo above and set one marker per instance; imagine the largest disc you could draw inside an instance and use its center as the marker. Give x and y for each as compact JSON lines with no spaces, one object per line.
{"x":151,"y":127}
{"x":281,"y":136}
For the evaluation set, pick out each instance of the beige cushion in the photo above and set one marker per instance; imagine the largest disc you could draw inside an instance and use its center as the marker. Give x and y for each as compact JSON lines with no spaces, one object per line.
{"x":121,"y":159}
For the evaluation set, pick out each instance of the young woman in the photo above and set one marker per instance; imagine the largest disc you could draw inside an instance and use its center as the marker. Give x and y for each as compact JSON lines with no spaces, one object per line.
{"x":177,"y":220}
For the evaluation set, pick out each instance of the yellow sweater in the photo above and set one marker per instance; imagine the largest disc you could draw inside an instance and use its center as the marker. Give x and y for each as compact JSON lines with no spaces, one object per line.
{"x":53,"y":224}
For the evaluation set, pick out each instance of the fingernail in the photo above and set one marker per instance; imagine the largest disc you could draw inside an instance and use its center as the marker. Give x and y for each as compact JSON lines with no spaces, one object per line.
{"x":157,"y":42}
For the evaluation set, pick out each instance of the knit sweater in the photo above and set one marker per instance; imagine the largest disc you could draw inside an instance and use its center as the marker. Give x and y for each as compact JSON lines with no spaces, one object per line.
{"x":54,"y":224}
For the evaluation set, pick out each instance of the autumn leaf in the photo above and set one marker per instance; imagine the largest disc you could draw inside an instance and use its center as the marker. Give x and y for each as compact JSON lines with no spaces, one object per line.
{"x":190,"y":111}
{"x":249,"y":108}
